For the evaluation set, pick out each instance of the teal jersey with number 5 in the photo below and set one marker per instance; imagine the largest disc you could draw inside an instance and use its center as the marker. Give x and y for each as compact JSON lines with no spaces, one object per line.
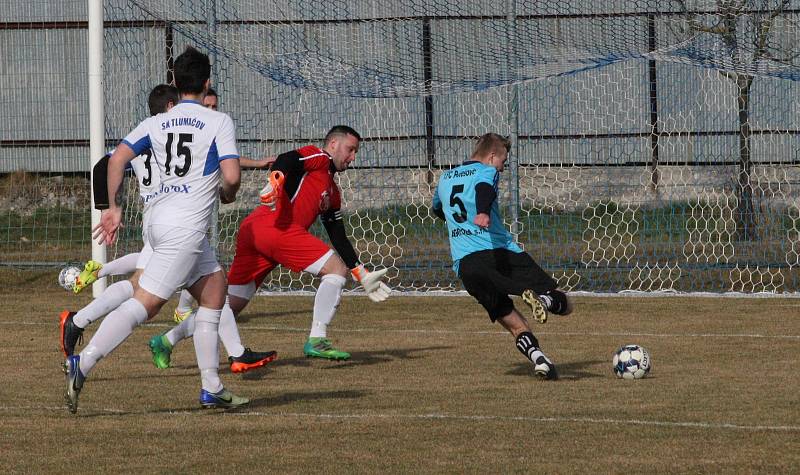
{"x":455,"y":195}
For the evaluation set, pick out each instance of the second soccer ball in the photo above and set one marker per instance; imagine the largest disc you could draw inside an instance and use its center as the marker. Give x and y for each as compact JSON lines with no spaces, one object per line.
{"x":631,"y":362}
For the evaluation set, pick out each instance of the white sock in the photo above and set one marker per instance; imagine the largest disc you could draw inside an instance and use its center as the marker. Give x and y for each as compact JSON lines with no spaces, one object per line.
{"x":113,"y":330}
{"x":110,"y":299}
{"x":229,"y":332}
{"x":181,"y":331}
{"x":329,"y":294}
{"x":185,"y":301}
{"x":124,"y":265}
{"x":206,"y":347}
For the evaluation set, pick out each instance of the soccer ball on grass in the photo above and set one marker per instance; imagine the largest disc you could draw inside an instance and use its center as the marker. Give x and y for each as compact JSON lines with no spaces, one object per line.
{"x":67,"y":276}
{"x":631,"y":362}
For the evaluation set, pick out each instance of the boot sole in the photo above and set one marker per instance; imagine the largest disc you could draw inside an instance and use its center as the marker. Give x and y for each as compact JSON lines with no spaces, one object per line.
{"x":539,"y":313}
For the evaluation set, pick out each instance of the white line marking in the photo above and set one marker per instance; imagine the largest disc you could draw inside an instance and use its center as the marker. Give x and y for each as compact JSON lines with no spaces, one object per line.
{"x":455,"y":417}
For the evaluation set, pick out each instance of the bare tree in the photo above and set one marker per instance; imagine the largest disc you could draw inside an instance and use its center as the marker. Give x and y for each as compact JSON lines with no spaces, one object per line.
{"x":747,"y":28}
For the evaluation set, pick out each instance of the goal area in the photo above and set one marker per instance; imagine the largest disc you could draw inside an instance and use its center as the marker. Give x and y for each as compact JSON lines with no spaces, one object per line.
{"x":655,"y":144}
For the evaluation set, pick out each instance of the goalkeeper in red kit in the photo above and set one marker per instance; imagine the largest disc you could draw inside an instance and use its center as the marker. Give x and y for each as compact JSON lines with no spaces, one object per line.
{"x":301,"y":187}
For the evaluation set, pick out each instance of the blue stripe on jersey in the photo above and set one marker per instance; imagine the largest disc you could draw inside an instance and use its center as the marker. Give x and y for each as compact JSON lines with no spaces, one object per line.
{"x":455,"y":194}
{"x":212,"y":160}
{"x":189,"y":101}
{"x":141,"y":145}
{"x":226,"y":157}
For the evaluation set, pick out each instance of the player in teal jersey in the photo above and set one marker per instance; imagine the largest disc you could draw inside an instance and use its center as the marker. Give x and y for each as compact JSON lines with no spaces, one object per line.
{"x":486,"y":258}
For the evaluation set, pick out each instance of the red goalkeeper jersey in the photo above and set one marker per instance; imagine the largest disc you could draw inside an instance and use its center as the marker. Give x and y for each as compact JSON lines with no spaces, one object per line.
{"x":308,"y":189}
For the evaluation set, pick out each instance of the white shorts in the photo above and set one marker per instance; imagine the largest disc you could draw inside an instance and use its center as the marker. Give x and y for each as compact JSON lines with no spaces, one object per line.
{"x":144,"y":256}
{"x":147,"y":249}
{"x":180,"y":258}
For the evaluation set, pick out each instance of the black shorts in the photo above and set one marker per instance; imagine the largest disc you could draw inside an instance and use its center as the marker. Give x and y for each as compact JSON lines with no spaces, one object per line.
{"x":492,"y":275}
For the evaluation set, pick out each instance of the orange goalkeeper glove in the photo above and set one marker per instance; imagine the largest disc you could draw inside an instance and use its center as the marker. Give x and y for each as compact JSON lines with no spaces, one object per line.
{"x":270,"y":193}
{"x":376,"y":290}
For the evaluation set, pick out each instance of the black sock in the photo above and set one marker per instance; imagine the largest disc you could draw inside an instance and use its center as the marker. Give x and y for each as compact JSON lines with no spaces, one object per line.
{"x":527,"y":344}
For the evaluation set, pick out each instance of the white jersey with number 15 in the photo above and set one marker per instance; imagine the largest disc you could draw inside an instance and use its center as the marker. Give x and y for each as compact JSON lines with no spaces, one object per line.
{"x":187,"y":143}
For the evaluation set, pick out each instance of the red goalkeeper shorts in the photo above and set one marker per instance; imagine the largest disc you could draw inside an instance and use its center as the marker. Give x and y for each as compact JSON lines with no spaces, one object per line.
{"x":260,"y":248}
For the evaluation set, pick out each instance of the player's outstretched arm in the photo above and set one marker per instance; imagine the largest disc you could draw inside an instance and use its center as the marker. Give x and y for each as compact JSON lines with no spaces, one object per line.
{"x":266,"y":162}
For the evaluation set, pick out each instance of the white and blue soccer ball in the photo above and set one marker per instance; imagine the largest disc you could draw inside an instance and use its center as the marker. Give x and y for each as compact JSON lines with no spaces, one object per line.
{"x":631,"y":362}
{"x":67,"y":276}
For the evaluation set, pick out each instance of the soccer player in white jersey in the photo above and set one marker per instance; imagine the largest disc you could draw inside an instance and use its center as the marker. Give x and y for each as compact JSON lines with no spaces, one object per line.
{"x":193,"y":147}
{"x":161,"y":99}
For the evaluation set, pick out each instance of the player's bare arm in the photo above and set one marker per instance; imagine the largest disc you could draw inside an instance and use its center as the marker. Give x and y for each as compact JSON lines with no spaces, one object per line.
{"x":231,"y":180}
{"x":265,"y":162}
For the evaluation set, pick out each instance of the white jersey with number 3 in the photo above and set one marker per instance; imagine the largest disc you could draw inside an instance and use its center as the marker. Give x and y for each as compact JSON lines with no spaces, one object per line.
{"x":146,"y":171}
{"x":187,"y":143}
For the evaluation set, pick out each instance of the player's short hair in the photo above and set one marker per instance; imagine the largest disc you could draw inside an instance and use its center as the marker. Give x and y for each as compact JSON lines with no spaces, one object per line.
{"x":211,"y":92}
{"x":489,"y":143}
{"x":160,"y":96}
{"x":339,"y":131}
{"x":192,"y":70}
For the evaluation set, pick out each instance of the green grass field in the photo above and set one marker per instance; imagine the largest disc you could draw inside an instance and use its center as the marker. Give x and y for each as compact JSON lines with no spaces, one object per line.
{"x":432,"y":387}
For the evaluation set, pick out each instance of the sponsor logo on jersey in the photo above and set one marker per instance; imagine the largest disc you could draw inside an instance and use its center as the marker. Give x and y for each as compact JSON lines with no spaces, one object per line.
{"x":459,"y":174}
{"x":174,"y":189}
{"x":458,"y":232}
{"x":325,"y":201}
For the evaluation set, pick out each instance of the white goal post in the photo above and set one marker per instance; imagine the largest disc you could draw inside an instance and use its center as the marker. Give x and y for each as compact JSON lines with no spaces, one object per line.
{"x":97,"y":134}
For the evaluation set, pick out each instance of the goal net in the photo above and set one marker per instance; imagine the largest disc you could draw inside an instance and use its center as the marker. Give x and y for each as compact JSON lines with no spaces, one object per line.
{"x":654,"y":143}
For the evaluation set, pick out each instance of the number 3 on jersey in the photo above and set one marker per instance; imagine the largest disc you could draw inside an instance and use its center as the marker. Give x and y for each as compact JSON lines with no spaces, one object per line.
{"x":181,"y":150}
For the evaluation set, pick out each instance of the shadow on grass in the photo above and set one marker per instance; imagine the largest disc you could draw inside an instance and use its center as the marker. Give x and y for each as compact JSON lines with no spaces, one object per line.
{"x":291,"y":398}
{"x":360,"y":358}
{"x":246,"y":316}
{"x":572,"y":371}
{"x":259,"y":403}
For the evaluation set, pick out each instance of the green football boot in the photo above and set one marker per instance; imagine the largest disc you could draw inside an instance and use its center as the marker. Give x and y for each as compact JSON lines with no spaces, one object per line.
{"x":162,"y":351}
{"x":317,"y":347}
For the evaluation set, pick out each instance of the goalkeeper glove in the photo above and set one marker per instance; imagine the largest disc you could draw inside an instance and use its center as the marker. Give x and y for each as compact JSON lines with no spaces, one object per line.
{"x":376,"y":290}
{"x":270,"y":193}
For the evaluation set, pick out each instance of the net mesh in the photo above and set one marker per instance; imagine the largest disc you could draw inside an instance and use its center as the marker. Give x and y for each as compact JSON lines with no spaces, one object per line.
{"x":655,"y":143}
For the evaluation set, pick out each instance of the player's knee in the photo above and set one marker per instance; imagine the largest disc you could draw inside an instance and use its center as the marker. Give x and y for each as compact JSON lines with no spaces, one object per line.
{"x":210,"y":290}
{"x":561,"y":304}
{"x":499,"y":309}
{"x":134,"y":279}
{"x":237,"y":302}
{"x":335,"y":265}
{"x":334,"y":279}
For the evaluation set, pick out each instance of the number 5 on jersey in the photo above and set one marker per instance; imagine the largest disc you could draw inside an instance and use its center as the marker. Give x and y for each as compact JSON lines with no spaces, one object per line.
{"x":455,"y":201}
